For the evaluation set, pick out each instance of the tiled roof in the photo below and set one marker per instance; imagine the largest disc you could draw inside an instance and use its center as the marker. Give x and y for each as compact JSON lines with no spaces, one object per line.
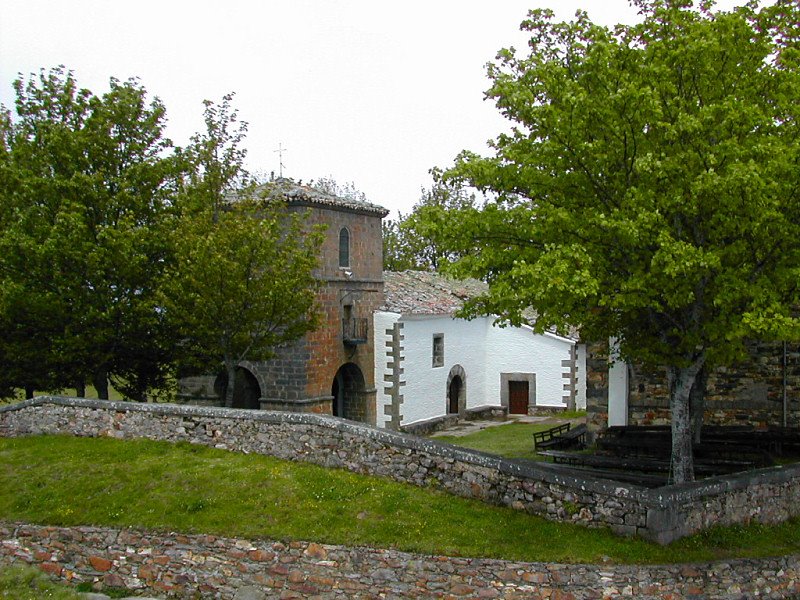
{"x":296,"y":193}
{"x":424,"y":293}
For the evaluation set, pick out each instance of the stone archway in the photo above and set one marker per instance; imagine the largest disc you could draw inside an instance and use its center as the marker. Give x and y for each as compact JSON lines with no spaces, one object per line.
{"x":350,"y":394}
{"x":456,"y":391}
{"x":246,"y":389}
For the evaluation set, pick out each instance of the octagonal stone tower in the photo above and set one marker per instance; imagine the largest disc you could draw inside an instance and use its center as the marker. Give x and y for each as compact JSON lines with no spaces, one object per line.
{"x":330,"y":370}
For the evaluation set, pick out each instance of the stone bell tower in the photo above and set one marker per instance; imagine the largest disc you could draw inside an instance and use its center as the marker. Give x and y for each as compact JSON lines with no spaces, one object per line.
{"x":330,"y":370}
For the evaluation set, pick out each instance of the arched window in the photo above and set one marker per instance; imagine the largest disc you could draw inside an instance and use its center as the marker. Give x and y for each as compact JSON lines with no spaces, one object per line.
{"x":344,"y":247}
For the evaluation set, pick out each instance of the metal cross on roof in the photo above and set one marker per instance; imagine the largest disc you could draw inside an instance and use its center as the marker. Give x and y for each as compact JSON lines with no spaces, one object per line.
{"x":280,"y":152}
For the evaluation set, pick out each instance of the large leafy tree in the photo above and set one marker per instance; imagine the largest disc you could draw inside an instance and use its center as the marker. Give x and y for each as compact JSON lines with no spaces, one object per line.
{"x":649,"y":188}
{"x":413,"y":241}
{"x":242,"y":281}
{"x":86,"y":184}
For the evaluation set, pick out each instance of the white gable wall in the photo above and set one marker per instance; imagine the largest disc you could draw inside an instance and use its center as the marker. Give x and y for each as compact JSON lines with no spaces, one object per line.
{"x":483,"y":351}
{"x":520,"y":350}
{"x":425,"y":392}
{"x":580,"y":387}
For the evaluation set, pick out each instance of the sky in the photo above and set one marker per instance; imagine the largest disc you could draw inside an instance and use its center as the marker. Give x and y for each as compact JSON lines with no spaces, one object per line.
{"x":366,"y":92}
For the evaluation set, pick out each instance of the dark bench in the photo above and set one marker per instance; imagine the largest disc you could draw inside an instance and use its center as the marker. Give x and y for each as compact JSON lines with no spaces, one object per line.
{"x":544,"y":439}
{"x":636,"y":477}
{"x":660,"y":447}
{"x":704,"y":467}
{"x":561,"y":437}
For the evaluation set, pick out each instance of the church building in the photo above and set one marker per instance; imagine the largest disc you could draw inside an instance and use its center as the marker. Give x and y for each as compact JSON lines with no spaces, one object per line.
{"x":330,"y":370}
{"x":388,"y":350}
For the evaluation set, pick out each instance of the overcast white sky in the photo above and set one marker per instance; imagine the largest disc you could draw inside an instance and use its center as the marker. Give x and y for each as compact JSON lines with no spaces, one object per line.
{"x":369,"y":92}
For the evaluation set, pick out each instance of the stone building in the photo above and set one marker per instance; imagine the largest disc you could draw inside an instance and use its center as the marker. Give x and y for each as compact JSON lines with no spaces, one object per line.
{"x":330,"y":370}
{"x":761,"y":390}
{"x":438,"y":368}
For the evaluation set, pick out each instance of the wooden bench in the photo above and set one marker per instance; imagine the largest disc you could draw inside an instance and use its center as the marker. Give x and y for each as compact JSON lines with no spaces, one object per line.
{"x":561,"y":437}
{"x":661,"y":448}
{"x":544,"y":439}
{"x":656,"y":479}
{"x":706,"y":467}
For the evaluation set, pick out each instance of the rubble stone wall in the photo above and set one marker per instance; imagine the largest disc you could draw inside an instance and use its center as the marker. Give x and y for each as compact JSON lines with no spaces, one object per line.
{"x":750,"y":392}
{"x":551,"y":491}
{"x":207,"y":566}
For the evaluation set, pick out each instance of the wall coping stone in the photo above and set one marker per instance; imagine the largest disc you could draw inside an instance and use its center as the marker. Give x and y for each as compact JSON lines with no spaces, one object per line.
{"x":555,"y":474}
{"x":666,"y":508}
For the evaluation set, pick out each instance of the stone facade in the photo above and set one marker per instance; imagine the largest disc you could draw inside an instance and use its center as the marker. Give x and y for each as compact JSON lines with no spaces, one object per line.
{"x":554,"y":492}
{"x":329,"y":371}
{"x":750,"y":393}
{"x":205,"y":566}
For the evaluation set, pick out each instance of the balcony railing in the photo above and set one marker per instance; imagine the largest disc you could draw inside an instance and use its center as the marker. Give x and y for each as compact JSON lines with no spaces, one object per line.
{"x":355,"y":331}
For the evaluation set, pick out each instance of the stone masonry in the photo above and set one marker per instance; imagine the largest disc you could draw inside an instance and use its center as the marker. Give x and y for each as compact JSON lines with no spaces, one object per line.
{"x":748,"y":393}
{"x":767,"y":496}
{"x":303,"y":376}
{"x":205,"y":566}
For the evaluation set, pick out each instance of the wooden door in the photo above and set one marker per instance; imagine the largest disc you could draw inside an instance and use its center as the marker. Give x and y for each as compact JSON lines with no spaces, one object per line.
{"x":453,"y":393}
{"x":518,"y":397}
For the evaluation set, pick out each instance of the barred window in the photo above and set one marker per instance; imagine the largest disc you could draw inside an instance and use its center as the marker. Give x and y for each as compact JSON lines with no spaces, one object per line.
{"x":438,"y":350}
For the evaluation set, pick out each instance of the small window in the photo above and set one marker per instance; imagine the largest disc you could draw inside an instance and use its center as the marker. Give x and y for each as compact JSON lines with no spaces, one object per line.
{"x":438,"y":350}
{"x":344,"y":247}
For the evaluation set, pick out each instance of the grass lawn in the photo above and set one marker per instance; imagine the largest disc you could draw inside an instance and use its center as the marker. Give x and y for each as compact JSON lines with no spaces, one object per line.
{"x":27,"y":583}
{"x":513,"y":440}
{"x":62,"y":480}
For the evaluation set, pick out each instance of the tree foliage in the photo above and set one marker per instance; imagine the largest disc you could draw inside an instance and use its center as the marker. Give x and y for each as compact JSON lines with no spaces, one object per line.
{"x":242,"y":280}
{"x":121,"y":256}
{"x":85,"y":184}
{"x":414,"y":241}
{"x":648,"y":189}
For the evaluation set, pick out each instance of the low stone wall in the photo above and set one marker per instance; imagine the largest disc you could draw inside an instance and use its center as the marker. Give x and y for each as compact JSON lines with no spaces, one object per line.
{"x":439,"y":423}
{"x":214,"y":567}
{"x":557,"y":493}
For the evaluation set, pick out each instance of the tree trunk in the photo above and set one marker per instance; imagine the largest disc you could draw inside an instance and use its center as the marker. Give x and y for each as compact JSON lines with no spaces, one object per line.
{"x":100,"y":381}
{"x":697,"y":403}
{"x":29,"y":391}
{"x":681,"y":380}
{"x":80,"y":388}
{"x":230,"y":369}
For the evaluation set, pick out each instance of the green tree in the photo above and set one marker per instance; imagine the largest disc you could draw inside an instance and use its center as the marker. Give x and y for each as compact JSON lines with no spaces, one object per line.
{"x":649,"y":187}
{"x":242,"y":282}
{"x":398,"y":254}
{"x":414,"y":241}
{"x":216,"y":159}
{"x":86,"y":184}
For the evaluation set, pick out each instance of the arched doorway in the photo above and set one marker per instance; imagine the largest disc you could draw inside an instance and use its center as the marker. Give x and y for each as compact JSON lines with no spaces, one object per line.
{"x":456,"y":391}
{"x":349,"y":394}
{"x":453,"y":393}
{"x":246,"y":390}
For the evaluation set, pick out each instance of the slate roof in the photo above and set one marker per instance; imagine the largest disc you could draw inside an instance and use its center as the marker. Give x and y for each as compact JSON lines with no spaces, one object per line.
{"x":424,"y":293}
{"x":305,"y":195}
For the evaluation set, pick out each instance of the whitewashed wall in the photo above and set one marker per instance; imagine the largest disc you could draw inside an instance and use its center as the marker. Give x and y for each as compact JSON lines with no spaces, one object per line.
{"x":482,"y":350}
{"x":617,"y":387}
{"x":425,"y":391}
{"x":520,"y":350}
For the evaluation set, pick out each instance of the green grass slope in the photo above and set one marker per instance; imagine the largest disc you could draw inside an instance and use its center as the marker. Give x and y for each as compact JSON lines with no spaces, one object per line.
{"x":62,"y":480}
